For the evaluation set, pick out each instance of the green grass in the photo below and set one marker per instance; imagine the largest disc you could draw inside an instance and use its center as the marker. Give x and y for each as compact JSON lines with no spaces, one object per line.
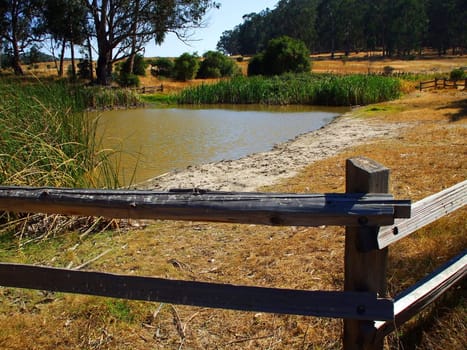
{"x":308,"y":89}
{"x":158,"y":99}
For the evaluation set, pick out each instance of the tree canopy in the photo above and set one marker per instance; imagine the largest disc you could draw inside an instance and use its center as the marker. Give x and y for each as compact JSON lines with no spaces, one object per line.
{"x":119,"y":29}
{"x":395,"y":26}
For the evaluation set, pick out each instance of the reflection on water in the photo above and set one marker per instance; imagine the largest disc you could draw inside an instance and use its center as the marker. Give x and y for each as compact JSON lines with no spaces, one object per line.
{"x":155,"y":141}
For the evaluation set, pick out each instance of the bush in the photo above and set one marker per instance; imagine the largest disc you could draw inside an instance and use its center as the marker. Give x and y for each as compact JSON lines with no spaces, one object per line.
{"x":128,"y":80}
{"x":256,"y":65}
{"x":162,"y":67}
{"x":186,"y":66}
{"x":84,"y":69}
{"x":284,"y":55}
{"x":387,"y":70}
{"x":457,"y":74}
{"x":216,"y":65}
{"x":139,"y":66}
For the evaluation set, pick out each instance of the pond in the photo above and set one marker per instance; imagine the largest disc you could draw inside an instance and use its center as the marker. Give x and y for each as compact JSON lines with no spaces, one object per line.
{"x":158,"y":140}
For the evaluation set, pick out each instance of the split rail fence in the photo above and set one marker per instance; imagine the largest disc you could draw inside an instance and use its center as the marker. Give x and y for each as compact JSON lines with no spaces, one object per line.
{"x":373,"y":221}
{"x":442,"y":84}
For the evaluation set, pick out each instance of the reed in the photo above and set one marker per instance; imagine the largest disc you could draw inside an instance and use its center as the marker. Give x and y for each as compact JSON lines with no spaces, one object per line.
{"x":47,"y":140}
{"x":314,"y":89}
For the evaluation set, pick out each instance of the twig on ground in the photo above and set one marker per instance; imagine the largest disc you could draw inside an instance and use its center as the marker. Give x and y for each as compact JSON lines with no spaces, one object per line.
{"x":93,"y":259}
{"x":248,"y":339}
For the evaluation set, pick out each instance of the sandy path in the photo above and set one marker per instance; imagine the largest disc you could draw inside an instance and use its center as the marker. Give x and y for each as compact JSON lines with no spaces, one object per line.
{"x":283,"y":161}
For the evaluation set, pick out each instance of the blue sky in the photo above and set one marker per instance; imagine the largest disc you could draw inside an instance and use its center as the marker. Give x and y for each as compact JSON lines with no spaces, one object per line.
{"x":227,"y":17}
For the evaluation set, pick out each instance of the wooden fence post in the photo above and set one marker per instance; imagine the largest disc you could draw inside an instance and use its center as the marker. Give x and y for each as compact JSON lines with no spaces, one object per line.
{"x":365,"y":266}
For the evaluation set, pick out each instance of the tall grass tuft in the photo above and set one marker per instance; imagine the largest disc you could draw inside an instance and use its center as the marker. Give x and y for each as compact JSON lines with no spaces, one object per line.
{"x":309,"y":89}
{"x":47,"y":140}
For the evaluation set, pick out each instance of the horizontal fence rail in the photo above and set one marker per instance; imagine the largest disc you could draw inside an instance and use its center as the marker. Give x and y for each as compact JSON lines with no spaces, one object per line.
{"x":410,"y":302}
{"x":201,"y":205}
{"x":356,"y":305}
{"x":425,"y":212}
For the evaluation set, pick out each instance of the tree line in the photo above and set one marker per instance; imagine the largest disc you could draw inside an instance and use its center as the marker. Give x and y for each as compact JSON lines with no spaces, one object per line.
{"x":397,"y":27}
{"x":112,"y":30}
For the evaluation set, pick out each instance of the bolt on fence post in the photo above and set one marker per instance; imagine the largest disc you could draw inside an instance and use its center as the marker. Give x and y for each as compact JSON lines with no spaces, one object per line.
{"x":365,"y":266}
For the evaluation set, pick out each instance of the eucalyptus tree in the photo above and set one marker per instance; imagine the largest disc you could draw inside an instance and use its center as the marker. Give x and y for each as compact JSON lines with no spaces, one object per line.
{"x":122,"y":28}
{"x":409,"y":27}
{"x":66,"y":22}
{"x":253,"y":33}
{"x":328,"y":25}
{"x":229,"y":42}
{"x":296,"y":19}
{"x":20,"y":27}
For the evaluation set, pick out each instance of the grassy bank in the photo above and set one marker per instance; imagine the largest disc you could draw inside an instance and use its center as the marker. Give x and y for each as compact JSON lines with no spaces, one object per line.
{"x":308,"y":89}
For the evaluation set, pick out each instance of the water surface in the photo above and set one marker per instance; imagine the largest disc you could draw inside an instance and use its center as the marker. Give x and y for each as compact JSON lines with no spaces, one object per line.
{"x":156,"y":141}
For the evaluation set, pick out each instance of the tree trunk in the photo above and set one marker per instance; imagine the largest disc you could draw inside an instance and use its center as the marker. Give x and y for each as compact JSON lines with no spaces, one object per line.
{"x":91,"y":72}
{"x":73,"y":67}
{"x":101,"y":71}
{"x":62,"y":58}
{"x":16,"y":59}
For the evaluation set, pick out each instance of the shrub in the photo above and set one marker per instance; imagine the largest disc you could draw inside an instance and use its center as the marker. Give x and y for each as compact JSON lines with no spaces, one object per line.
{"x":127,"y":79}
{"x":256,"y":66}
{"x":387,"y":70}
{"x":162,"y":67}
{"x":284,"y":55}
{"x":139,"y":66}
{"x":215,"y":65}
{"x":186,"y":66}
{"x":457,"y":74}
{"x":84,"y":69}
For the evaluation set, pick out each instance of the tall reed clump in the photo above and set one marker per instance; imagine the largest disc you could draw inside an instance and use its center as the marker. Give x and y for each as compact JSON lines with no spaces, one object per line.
{"x":296,"y":89}
{"x":47,"y":140}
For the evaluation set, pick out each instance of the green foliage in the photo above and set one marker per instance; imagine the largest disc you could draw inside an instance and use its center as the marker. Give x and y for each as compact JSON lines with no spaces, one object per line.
{"x":162,"y":67}
{"x":457,"y":74}
{"x":121,"y":310}
{"x":397,"y":27}
{"x":296,"y":89}
{"x":47,"y":140}
{"x":216,"y":65}
{"x":186,"y":66}
{"x":256,"y":65}
{"x":127,"y":79}
{"x":139,"y":66}
{"x":282,"y":55}
{"x":84,"y":69}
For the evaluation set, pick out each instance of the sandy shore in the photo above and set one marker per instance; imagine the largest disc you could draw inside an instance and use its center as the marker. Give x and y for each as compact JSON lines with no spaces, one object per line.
{"x":283,"y":161}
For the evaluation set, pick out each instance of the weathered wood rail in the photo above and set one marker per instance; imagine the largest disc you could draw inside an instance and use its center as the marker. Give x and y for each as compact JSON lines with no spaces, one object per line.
{"x":373,"y":221}
{"x":442,"y":84}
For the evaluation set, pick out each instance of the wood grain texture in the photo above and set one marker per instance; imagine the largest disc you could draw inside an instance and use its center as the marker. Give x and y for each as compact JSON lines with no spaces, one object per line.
{"x":410,"y":302}
{"x":425,"y":212}
{"x":365,"y":266}
{"x":200,"y":205}
{"x":284,"y":301}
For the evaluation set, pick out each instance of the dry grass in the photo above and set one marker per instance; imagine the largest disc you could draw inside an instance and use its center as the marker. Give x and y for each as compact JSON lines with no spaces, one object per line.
{"x":429,"y":155}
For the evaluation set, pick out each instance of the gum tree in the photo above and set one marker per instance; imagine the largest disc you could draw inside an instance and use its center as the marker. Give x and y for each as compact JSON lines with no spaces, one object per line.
{"x":20,"y":27}
{"x":122,"y":28}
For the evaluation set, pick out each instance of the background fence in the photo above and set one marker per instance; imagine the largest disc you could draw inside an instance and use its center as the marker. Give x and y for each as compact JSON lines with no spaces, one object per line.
{"x":369,"y":315}
{"x":442,"y":84}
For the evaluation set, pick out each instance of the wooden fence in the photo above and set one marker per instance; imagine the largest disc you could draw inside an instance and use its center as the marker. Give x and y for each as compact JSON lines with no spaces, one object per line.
{"x":369,"y":315}
{"x":149,"y":89}
{"x":442,"y":84}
